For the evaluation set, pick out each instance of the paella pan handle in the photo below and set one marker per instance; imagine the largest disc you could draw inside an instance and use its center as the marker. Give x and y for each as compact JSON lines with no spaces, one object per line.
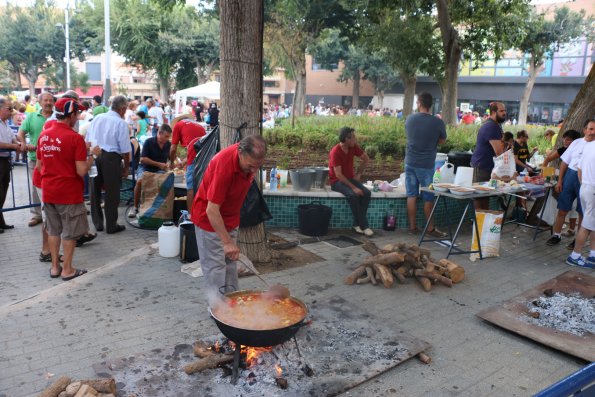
{"x":223,"y":289}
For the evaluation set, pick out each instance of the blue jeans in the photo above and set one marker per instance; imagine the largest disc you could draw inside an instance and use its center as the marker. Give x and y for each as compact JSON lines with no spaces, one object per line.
{"x":359,"y":204}
{"x":570,"y":192}
{"x":416,"y":177}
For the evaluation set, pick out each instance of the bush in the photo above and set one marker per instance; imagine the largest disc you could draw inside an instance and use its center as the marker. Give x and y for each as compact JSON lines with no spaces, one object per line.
{"x":379,"y":135}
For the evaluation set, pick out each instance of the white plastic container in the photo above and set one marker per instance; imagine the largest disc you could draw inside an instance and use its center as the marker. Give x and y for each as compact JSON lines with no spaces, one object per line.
{"x":447,"y":173}
{"x":168,"y":237}
{"x":464,"y":176}
{"x":441,"y":158}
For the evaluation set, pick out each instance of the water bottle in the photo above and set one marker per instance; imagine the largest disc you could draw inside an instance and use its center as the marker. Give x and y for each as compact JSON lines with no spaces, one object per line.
{"x":273,"y":179}
{"x":93,"y":171}
{"x":390,"y":220}
{"x":184,"y":218}
{"x":437,"y":177}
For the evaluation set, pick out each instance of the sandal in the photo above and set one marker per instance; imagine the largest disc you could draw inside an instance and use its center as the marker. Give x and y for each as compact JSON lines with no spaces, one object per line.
{"x":48,"y":257}
{"x":55,"y":275}
{"x":77,"y":273}
{"x":85,"y":238}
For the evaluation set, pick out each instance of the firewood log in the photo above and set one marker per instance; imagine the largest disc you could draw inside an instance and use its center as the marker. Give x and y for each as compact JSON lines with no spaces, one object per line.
{"x":363,"y":280}
{"x":357,"y":273}
{"x":102,"y":385}
{"x":424,"y":251}
{"x":371,"y":248}
{"x":72,"y":389}
{"x":208,"y":362}
{"x":201,"y":349}
{"x":56,"y":388}
{"x":384,"y":259}
{"x":424,"y":358}
{"x":384,"y":274}
{"x":398,"y":275}
{"x":370,"y":274}
{"x":433,"y":276}
{"x":454,"y":272}
{"x":389,"y":248}
{"x":425,"y":283}
{"x":86,"y":391}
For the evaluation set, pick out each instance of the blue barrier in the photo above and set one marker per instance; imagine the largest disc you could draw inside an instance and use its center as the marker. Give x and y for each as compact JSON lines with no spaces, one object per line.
{"x":581,"y":383}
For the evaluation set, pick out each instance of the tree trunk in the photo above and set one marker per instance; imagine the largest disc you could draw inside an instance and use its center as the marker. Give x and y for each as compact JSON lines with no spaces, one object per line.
{"x":582,"y":108}
{"x":380,"y":99}
{"x":164,"y":88}
{"x":533,"y":72}
{"x":409,"y":83}
{"x":355,"y":95}
{"x":452,"y":55}
{"x":241,"y":87}
{"x":300,"y":88}
{"x":31,"y":86}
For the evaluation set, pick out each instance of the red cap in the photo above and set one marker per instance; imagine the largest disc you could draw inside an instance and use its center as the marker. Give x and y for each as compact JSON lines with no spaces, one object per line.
{"x":68,"y":106}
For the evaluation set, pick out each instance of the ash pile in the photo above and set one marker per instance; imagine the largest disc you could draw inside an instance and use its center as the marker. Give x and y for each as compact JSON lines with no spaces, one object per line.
{"x":570,"y":313}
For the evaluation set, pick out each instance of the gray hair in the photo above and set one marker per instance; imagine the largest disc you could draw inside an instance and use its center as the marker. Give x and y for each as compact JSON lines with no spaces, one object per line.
{"x":40,"y":96}
{"x":254,"y":146}
{"x":119,"y":102}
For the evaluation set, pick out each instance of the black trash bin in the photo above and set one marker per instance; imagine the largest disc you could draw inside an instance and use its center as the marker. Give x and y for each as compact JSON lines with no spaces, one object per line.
{"x":314,"y":219}
{"x":188,"y":248}
{"x":460,"y":159}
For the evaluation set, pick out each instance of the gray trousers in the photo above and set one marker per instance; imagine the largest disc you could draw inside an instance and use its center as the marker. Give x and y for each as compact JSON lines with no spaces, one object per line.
{"x":220,"y":274}
{"x":35,"y":199}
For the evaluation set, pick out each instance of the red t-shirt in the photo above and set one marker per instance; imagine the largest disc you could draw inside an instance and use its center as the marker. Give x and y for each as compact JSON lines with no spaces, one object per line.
{"x":59,"y":147}
{"x":337,"y":157}
{"x":185,"y":131}
{"x":191,"y":151}
{"x":225,"y":184}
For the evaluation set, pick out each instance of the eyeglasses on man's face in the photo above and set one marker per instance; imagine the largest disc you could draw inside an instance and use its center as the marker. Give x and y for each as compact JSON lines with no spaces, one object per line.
{"x":10,"y":108}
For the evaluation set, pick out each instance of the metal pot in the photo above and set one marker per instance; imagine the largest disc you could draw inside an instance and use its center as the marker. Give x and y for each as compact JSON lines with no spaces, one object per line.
{"x":321,"y":176}
{"x":259,"y":338}
{"x":302,"y":179}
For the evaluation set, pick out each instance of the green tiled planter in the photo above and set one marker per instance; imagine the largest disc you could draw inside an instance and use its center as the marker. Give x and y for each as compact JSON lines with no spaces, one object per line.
{"x":285,"y":212}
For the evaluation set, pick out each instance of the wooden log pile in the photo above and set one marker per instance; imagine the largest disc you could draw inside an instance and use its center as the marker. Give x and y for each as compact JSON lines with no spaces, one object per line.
{"x":65,"y":387}
{"x":401,"y":261}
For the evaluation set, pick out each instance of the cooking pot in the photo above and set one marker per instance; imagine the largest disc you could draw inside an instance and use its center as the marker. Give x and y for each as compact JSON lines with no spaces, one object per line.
{"x":259,"y":338}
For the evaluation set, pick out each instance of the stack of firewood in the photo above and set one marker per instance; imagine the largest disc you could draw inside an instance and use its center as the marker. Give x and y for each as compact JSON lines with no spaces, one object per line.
{"x":65,"y":387}
{"x":402,"y":261}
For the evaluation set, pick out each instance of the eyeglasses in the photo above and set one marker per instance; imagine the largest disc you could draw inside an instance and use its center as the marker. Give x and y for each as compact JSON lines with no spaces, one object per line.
{"x":8,"y":108}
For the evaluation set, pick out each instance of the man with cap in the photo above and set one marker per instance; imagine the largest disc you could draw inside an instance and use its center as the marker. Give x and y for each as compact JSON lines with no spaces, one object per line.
{"x":63,"y":162}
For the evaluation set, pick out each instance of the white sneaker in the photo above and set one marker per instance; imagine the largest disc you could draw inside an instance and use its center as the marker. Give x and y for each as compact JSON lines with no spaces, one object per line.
{"x":368,"y":232}
{"x":358,"y":229}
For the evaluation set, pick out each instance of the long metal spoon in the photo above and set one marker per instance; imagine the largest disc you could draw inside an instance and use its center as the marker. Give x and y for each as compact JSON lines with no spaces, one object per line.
{"x":276,"y":290}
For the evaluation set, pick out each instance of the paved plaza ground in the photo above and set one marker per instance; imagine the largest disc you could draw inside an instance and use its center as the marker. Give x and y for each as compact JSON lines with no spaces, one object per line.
{"x":133,"y":300}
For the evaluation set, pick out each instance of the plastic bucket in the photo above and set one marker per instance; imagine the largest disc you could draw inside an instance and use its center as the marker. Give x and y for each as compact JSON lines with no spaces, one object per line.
{"x":314,"y":219}
{"x":188,"y":248}
{"x":441,"y":158}
{"x":168,"y":240}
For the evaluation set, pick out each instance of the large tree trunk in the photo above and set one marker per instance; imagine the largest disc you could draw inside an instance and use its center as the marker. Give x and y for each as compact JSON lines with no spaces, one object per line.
{"x":582,"y":108}
{"x":241,"y":90}
{"x":355,"y":92}
{"x":300,"y":88}
{"x":380,"y":99}
{"x":452,"y":54}
{"x":533,"y":72}
{"x":164,"y":88}
{"x":409,"y":83}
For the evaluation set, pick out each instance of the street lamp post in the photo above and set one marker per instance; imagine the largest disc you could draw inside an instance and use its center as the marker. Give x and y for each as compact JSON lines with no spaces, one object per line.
{"x":66,"y":28}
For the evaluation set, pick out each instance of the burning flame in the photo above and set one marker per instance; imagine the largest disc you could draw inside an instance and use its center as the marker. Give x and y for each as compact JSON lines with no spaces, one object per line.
{"x":279,"y":370}
{"x":252,"y":354}
{"x":217,"y":346}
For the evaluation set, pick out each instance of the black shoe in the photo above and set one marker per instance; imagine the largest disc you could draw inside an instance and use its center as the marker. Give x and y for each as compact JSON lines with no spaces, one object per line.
{"x":553,"y":240}
{"x":570,"y":246}
{"x":1,"y":231}
{"x":119,"y":228}
{"x":6,"y":227}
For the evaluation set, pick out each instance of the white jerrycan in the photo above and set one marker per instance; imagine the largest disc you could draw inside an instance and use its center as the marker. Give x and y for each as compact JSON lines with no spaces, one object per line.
{"x":447,"y":173}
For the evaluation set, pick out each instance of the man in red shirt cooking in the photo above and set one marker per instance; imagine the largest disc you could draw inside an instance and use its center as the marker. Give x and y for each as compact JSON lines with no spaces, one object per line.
{"x":344,"y":180}
{"x":63,"y":161}
{"x":216,"y":211}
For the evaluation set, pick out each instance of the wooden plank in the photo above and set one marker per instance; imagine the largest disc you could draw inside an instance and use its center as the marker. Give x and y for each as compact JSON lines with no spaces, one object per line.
{"x":509,"y":315}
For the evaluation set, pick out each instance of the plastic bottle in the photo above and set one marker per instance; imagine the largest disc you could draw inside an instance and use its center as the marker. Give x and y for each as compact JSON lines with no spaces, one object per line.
{"x":437,"y":176}
{"x":168,"y":238}
{"x":93,"y":171}
{"x":273,"y":179}
{"x":184,"y":217}
{"x":390,"y":220}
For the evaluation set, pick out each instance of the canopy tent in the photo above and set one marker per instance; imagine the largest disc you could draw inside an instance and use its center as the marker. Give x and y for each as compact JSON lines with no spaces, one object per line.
{"x":208,"y":90}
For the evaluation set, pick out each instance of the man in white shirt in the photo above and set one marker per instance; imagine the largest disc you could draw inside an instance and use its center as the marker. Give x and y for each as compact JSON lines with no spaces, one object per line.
{"x":568,"y":184}
{"x":155,"y":115}
{"x":586,"y":175}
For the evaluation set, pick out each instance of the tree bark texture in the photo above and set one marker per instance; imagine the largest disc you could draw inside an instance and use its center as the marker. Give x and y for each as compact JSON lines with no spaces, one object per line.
{"x":409,"y":83}
{"x":355,"y":92}
{"x":524,"y":105}
{"x":163,"y":88}
{"x":300,"y":88}
{"x":241,"y":89}
{"x":241,"y":68}
{"x":452,"y":55}
{"x":582,"y":108}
